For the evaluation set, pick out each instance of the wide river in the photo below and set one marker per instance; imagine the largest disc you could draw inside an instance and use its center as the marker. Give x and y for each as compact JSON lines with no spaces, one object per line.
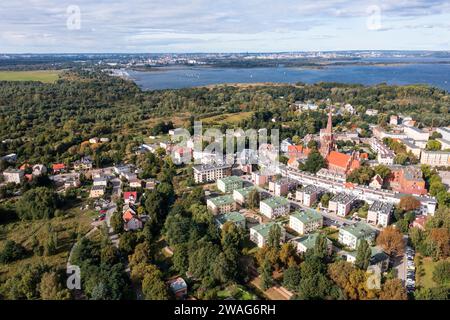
{"x":437,"y":74}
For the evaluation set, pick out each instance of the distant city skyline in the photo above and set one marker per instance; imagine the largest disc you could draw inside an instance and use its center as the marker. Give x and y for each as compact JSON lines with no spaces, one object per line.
{"x":156,"y":26}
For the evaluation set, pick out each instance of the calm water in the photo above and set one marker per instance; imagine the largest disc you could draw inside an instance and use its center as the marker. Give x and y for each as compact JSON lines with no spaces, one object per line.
{"x":183,"y":77}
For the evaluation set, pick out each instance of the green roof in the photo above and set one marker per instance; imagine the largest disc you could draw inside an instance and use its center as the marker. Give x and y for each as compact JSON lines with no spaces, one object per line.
{"x":231,"y":216}
{"x":245,"y":191}
{"x":275,"y":202}
{"x":222,"y":200}
{"x":307,"y":216}
{"x":264,"y":228}
{"x":359,"y":230}
{"x":309,"y":240}
{"x":231,"y":179}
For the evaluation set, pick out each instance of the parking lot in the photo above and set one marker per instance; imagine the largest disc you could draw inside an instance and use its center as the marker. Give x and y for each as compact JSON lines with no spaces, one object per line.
{"x":410,"y":281}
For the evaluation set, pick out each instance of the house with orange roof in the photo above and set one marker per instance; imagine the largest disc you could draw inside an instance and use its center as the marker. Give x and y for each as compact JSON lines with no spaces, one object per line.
{"x":293,"y":163}
{"x":58,"y":167}
{"x":298,"y":152}
{"x":131,"y":221}
{"x":342,"y":163}
{"x":130,"y":197}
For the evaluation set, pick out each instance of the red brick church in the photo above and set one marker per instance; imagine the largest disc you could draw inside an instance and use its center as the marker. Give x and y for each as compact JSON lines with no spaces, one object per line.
{"x":337,"y":162}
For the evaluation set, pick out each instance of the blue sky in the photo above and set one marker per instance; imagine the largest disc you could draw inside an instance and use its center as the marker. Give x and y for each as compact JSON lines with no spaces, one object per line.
{"x":40,"y":26}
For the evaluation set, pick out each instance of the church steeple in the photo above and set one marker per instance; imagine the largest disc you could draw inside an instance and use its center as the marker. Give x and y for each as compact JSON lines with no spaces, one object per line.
{"x":330,"y":123}
{"x":327,"y":138}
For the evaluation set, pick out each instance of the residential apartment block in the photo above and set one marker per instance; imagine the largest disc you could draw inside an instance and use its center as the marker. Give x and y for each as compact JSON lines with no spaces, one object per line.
{"x":352,"y":235}
{"x":233,"y":217}
{"x":241,"y":195}
{"x":435,"y":158}
{"x":228,"y":184}
{"x":309,"y":195}
{"x":274,"y":207}
{"x":379,"y":213}
{"x":341,"y":204}
{"x":220,"y":205}
{"x":210,"y":172}
{"x":259,"y":234}
{"x":302,"y":244}
{"x":306,"y":221}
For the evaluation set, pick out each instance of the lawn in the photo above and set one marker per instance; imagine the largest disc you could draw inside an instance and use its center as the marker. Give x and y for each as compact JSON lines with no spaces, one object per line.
{"x":74,"y":221}
{"x":236,"y":292}
{"x":45,"y":76}
{"x":231,"y":118}
{"x":426,"y":280}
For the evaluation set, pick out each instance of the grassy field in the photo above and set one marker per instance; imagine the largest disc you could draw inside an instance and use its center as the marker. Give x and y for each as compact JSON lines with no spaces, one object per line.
{"x":426,"y":280}
{"x":74,"y":221}
{"x":46,"y":76}
{"x":230,"y":118}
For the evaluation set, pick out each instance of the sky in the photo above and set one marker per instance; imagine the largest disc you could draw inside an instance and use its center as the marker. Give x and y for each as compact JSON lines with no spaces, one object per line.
{"x":160,"y":26}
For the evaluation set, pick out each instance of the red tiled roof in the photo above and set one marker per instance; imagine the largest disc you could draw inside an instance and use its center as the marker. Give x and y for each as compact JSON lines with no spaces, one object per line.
{"x":128,"y":215}
{"x":338,"y":159}
{"x":128,"y":194}
{"x":58,"y":166}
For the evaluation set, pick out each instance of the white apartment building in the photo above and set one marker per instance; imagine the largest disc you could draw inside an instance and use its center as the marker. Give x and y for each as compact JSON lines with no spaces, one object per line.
{"x":210,"y":173}
{"x":274,"y":207}
{"x":351,"y":236}
{"x":221,"y":205}
{"x":411,"y":147}
{"x":379,"y":213}
{"x":384,"y":154}
{"x":260,"y":233}
{"x":309,"y":195}
{"x":445,"y":132}
{"x":12,"y":175}
{"x":341,"y":204}
{"x":306,"y":221}
{"x":435,"y":158}
{"x":416,"y":134}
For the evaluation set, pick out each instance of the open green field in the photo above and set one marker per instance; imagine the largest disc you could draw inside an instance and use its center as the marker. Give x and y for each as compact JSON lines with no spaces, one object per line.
{"x":230,"y":118}
{"x":426,"y":280}
{"x":45,"y":76}
{"x":74,"y":221}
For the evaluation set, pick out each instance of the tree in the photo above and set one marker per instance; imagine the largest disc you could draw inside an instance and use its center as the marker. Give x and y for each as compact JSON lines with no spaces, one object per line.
{"x":409,"y":203}
{"x":288,"y":255}
{"x":12,"y":251}
{"x":440,"y":240}
{"x":37,"y":203}
{"x":50,"y":288}
{"x":362,"y":175}
{"x":127,"y":242}
{"x":433,"y":145}
{"x":391,"y":240}
{"x":313,"y":163}
{"x":382,"y":170}
{"x":253,"y":199}
{"x":274,"y":238}
{"x":177,"y":229}
{"x":266,"y":275}
{"x":325,"y":200}
{"x":141,"y":254}
{"x":441,"y":272}
{"x":363,"y":255}
{"x":153,"y":287}
{"x":393,"y":290}
{"x":321,"y":246}
{"x":292,"y":277}
{"x":223,"y":269}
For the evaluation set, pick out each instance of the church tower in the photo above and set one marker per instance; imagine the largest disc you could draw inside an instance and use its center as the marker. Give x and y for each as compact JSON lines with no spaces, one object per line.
{"x":327,"y":138}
